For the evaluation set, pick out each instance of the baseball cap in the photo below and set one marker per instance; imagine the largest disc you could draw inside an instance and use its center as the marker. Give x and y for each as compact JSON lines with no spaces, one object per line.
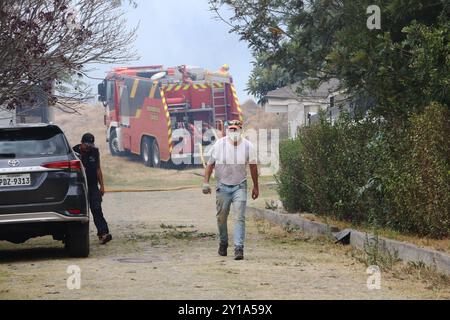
{"x":88,"y":138}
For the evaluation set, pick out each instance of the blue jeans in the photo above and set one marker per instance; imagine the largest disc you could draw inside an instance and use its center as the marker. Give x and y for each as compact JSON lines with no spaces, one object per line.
{"x":225,"y":197}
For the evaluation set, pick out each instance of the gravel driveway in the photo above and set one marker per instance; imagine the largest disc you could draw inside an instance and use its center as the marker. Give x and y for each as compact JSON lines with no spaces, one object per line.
{"x":165,"y":246}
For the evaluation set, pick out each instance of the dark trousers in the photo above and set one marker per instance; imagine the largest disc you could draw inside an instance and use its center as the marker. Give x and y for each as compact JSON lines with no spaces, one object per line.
{"x":95,"y":202}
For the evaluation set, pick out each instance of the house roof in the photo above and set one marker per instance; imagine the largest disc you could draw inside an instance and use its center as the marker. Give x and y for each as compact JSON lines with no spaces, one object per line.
{"x":289,"y":92}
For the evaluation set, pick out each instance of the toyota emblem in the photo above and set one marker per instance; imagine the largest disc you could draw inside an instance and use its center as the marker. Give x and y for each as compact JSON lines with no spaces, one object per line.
{"x":14,"y":163}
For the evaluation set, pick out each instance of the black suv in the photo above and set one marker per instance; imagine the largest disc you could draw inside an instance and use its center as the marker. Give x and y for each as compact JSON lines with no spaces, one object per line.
{"x":43,"y":189}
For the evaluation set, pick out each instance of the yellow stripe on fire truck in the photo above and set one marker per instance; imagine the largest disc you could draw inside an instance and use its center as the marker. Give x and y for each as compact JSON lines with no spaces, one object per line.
{"x":169,"y":124}
{"x":236,"y":101}
{"x":174,"y":87}
{"x":134,"y":89}
{"x":153,"y":90}
{"x":138,"y":113}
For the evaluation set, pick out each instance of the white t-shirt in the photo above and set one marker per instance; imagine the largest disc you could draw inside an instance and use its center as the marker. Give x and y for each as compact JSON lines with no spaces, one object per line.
{"x":231,"y":161}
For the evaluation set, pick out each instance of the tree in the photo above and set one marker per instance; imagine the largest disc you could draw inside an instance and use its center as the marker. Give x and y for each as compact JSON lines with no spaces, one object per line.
{"x":266,"y":76}
{"x":405,"y":65}
{"x":46,"y":45}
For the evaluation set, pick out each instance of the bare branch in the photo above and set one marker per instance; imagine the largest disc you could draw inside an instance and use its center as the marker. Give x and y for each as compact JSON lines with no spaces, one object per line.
{"x":48,"y":43}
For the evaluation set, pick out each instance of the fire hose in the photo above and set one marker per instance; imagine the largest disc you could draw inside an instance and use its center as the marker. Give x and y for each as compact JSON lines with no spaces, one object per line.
{"x":151,"y":190}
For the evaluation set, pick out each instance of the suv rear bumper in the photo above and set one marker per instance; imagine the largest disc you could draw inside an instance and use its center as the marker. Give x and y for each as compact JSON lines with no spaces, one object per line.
{"x":39,"y":217}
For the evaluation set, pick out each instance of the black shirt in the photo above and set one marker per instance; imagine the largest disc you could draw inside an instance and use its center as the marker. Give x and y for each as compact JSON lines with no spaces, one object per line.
{"x":91,"y":163}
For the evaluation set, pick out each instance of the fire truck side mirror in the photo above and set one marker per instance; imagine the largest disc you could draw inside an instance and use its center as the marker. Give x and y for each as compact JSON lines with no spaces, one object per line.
{"x":102,"y":92}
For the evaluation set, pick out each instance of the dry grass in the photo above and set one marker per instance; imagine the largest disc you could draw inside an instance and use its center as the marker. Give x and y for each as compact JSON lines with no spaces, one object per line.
{"x":390,"y":266}
{"x":90,"y":119}
{"x":432,"y":279}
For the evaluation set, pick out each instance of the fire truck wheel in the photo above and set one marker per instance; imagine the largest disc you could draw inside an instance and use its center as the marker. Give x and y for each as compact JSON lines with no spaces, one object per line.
{"x":156,"y":156}
{"x":114,"y":144}
{"x":146,"y":152}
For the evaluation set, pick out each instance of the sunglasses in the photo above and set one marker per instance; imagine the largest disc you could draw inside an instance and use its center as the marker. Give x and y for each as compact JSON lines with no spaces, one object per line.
{"x":236,"y":123}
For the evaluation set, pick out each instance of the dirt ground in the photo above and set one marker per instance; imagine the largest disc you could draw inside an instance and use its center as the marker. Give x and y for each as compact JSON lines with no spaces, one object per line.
{"x":165,"y":247}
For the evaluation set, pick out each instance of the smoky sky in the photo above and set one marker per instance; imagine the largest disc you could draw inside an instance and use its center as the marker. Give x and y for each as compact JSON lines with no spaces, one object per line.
{"x":176,"y":32}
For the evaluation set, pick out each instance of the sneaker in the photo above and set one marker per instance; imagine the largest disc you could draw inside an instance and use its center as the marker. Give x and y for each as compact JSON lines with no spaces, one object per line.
{"x":105,"y":239}
{"x":223,"y":250}
{"x":239,"y":253}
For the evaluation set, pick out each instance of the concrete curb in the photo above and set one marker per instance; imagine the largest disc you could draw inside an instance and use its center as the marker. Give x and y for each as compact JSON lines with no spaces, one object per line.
{"x":402,"y":250}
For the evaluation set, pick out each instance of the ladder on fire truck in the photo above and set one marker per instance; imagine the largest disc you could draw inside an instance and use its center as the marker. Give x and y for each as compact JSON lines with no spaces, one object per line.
{"x":219,"y":100}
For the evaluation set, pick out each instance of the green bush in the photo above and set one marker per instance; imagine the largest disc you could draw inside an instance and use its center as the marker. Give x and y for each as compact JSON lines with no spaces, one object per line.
{"x":337,"y":164}
{"x":291,"y":181}
{"x":416,"y":175}
{"x":394,"y":175}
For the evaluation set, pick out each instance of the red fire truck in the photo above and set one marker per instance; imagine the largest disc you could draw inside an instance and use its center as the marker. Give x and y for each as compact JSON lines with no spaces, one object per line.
{"x":146,"y":108}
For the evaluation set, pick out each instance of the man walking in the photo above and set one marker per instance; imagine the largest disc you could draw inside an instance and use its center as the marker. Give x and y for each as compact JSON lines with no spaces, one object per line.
{"x":229,"y":158}
{"x":90,"y":157}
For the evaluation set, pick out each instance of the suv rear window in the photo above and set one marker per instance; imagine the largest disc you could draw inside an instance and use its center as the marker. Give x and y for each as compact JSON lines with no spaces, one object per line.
{"x":32,"y":142}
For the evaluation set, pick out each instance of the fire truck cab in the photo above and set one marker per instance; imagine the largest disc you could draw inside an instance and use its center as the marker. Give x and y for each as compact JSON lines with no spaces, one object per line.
{"x":167,"y":115}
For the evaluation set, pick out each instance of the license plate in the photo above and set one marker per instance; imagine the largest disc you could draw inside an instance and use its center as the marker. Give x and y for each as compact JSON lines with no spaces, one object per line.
{"x":14,"y":180}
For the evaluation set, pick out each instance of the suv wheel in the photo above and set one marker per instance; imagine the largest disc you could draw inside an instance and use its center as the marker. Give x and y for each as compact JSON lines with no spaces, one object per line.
{"x":77,"y":240}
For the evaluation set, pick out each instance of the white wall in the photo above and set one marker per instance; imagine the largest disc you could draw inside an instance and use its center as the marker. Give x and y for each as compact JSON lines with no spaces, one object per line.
{"x":270,"y":108}
{"x":297,"y":110}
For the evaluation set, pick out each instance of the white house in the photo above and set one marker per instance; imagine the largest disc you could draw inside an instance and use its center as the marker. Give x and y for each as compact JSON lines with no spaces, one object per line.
{"x":300,"y":107}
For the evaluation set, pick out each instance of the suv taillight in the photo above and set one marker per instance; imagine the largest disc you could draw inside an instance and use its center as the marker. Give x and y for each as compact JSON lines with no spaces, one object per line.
{"x":73,"y":165}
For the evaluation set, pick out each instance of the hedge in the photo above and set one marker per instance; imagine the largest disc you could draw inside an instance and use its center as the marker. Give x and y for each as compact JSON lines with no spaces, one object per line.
{"x":369,"y":170}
